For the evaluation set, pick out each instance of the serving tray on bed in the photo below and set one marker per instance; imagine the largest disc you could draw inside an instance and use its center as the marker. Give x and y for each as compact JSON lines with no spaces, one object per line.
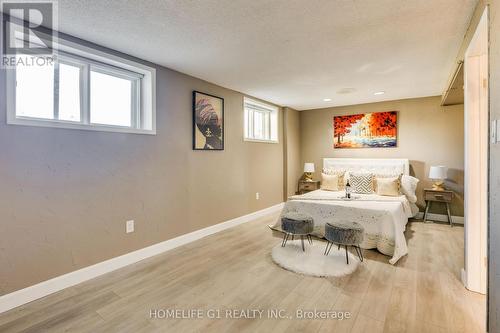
{"x":349,"y":199}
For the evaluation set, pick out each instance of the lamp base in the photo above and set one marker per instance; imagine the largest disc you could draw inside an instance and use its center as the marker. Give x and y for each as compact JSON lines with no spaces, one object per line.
{"x":308,"y":176}
{"x":438,"y":186}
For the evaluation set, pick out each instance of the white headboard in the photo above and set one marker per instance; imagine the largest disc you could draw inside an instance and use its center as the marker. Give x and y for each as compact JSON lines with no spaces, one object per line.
{"x":375,"y":165}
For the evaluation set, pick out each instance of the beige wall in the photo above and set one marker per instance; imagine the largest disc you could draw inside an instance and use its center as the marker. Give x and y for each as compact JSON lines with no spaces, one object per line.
{"x":428,"y":134}
{"x":66,"y":194}
{"x":293,"y":168}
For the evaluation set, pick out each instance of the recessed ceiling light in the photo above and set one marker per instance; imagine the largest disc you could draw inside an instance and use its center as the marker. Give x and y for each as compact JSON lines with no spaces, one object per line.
{"x":379,"y":93}
{"x":327,"y":99}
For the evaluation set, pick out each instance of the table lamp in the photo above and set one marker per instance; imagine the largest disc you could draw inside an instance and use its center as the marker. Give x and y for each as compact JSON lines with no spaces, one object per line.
{"x":308,"y":171}
{"x":438,"y":174}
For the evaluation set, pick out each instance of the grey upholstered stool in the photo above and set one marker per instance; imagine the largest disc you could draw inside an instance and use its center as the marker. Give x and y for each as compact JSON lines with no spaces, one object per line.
{"x":346,"y":234}
{"x":297,"y":224}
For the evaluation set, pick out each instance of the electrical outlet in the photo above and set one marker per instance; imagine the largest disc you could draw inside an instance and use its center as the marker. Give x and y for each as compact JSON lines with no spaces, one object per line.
{"x":257,"y":196}
{"x":129,"y":226}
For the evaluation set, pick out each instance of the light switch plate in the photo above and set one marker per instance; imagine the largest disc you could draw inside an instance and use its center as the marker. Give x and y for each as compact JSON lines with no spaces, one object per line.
{"x":497,"y":131}
{"x":493,"y":131}
{"x":129,"y":226}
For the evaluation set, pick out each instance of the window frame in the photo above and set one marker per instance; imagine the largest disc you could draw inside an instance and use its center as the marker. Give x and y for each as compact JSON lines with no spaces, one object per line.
{"x":135,"y":117}
{"x":267,"y":111}
{"x":57,"y":81}
{"x":143,"y":118}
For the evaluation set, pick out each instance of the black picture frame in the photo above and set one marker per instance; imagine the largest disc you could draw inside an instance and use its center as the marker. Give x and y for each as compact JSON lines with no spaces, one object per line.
{"x":213,"y":142}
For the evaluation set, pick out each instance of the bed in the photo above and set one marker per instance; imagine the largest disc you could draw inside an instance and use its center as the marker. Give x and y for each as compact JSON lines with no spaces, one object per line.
{"x":384,"y":218}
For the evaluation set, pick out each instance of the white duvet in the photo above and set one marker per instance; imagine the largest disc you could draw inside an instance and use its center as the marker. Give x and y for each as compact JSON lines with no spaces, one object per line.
{"x":384,"y":218}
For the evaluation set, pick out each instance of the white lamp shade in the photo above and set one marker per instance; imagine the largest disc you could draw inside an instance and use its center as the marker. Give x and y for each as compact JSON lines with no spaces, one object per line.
{"x":438,"y":172}
{"x":309,"y":167}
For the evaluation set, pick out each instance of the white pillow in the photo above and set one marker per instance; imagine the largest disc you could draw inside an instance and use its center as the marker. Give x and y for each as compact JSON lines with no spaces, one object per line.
{"x":329,"y":182}
{"x":408,"y":187}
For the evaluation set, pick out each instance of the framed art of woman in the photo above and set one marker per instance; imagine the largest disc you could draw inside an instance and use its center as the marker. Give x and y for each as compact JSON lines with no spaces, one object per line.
{"x":208,"y":122}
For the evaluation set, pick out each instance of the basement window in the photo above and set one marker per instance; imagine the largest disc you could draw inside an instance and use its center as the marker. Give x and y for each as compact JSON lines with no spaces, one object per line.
{"x":82,"y":89}
{"x":261,"y":121}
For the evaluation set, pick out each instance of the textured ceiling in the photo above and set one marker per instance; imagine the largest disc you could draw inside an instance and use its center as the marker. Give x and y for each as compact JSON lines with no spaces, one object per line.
{"x":290,"y":52}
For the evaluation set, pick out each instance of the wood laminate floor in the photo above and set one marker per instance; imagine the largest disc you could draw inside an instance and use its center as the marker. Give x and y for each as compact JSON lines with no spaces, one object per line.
{"x":233,"y":270}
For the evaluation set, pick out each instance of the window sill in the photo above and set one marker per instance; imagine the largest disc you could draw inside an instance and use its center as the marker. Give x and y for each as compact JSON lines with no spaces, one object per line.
{"x":68,"y":125}
{"x":259,"y":141}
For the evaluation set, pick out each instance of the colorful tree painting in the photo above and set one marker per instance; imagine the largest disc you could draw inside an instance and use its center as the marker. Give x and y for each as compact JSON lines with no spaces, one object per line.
{"x":342,"y":124}
{"x":365,"y":130}
{"x":383,"y":123}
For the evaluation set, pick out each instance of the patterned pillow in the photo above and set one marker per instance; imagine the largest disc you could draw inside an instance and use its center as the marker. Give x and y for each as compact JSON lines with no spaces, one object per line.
{"x":340,"y":173}
{"x":361,"y":182}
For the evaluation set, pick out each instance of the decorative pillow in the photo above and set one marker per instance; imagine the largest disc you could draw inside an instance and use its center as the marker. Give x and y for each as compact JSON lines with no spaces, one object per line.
{"x":361,"y":182}
{"x":408,"y":187}
{"x":397,"y":176}
{"x":338,"y":172}
{"x":329,"y":182}
{"x":387,"y":186}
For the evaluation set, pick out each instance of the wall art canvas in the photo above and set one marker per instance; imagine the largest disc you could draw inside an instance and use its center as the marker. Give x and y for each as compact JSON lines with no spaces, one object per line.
{"x":368,"y":130}
{"x":208,"y":122}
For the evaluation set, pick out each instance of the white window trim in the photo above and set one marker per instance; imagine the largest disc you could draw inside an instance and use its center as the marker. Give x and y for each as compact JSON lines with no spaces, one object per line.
{"x":271,"y":108}
{"x":147,"y":91}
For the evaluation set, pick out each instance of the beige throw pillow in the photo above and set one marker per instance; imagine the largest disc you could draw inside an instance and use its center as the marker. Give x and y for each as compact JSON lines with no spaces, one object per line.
{"x":329,"y":182}
{"x":385,"y":176}
{"x":388,"y":186}
{"x":340,"y":173}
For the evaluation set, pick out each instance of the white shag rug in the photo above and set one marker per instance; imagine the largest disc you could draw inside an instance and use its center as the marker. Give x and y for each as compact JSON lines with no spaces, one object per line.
{"x":312,"y":261}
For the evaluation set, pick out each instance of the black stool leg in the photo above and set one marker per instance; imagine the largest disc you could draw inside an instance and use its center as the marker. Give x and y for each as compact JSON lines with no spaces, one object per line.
{"x":346,"y":255}
{"x":302,"y":240}
{"x":339,"y":248}
{"x":310,"y":239}
{"x":360,"y":253}
{"x":331,"y":245}
{"x":293,"y":236}
{"x":285,"y":238}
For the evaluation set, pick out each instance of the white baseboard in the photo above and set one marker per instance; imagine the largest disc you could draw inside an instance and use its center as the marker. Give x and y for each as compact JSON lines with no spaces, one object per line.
{"x":42,"y":289}
{"x":441,"y":218}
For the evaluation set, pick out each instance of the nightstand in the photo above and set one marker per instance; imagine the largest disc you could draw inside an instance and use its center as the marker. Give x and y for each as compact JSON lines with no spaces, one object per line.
{"x":438,"y":196}
{"x":308,"y":186}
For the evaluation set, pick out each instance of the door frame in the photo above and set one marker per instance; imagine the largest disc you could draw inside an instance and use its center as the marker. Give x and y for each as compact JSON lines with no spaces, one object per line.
{"x":476,"y":157}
